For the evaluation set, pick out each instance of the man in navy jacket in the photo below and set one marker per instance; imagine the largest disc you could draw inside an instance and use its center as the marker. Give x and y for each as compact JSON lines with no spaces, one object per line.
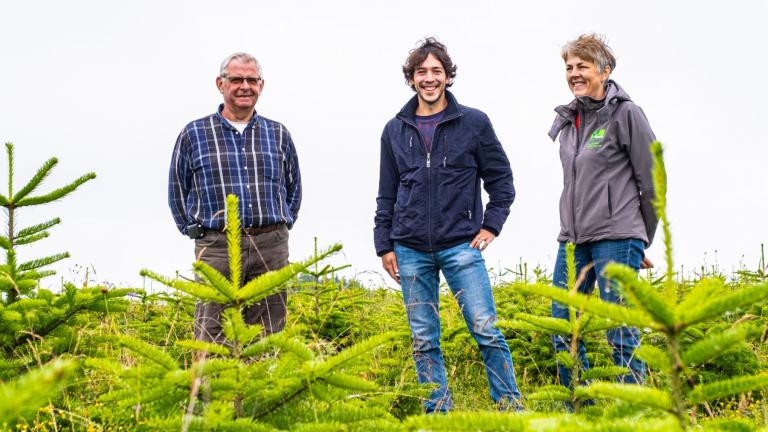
{"x":430,"y":218}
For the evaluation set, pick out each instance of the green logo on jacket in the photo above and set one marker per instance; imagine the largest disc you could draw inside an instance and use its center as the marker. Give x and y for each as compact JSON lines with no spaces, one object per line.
{"x":596,"y":139}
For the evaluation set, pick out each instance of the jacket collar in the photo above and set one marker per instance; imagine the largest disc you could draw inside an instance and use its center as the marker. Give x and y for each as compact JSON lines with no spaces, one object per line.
{"x":567,"y":113}
{"x":408,"y":112}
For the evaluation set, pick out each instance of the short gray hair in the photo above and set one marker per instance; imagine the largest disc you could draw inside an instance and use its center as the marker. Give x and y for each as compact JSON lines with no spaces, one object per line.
{"x":592,"y":48}
{"x":240,"y":56}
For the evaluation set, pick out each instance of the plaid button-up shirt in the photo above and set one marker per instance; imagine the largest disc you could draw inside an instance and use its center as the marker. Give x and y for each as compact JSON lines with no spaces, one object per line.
{"x":212,"y":159}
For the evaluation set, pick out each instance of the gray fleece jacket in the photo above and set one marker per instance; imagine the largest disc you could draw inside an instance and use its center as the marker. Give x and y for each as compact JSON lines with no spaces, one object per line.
{"x":607,"y":183}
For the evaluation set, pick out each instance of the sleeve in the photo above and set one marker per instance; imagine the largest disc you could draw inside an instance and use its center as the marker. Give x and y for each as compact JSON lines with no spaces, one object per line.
{"x":385,"y":201}
{"x":292,"y":178}
{"x":496,"y":173}
{"x":638,"y":146}
{"x":180,"y":181}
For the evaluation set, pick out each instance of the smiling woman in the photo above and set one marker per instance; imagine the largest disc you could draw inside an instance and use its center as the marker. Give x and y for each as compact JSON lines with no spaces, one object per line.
{"x":605,"y":206}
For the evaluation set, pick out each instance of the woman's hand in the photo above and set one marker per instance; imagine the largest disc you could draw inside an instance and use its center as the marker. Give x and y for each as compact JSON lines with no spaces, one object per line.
{"x":646,"y":263}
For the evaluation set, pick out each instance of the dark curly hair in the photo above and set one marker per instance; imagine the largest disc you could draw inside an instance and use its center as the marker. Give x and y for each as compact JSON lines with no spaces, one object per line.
{"x":417,"y":56}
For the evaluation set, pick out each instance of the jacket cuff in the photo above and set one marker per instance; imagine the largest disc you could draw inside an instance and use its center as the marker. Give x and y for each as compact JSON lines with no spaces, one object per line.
{"x":384,"y":252}
{"x":491,"y":230}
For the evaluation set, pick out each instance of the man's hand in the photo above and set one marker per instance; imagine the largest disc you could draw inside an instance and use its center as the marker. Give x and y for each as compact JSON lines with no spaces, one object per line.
{"x":389,"y":262}
{"x":482,"y":240}
{"x":646,"y":263}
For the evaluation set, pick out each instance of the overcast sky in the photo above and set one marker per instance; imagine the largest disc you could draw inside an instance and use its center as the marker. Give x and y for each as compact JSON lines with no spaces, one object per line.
{"x":106,"y":86}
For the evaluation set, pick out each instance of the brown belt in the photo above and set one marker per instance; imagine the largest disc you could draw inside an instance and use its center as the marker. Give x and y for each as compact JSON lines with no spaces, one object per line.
{"x":252,"y":231}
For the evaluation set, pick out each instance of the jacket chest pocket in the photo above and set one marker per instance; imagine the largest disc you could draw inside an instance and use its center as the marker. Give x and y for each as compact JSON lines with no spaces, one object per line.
{"x":408,"y":154}
{"x":456,"y":154}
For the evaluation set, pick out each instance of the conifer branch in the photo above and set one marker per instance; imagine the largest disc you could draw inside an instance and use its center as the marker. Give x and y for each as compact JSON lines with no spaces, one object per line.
{"x":622,"y":315}
{"x":597,"y":373}
{"x":282,"y":342}
{"x":216,"y":280}
{"x":551,"y":392}
{"x":269,"y":283}
{"x":349,"y":382}
{"x":34,"y":182}
{"x":21,"y":398}
{"x":549,"y":324}
{"x":42,"y":262}
{"x":653,"y":357}
{"x":198,"y":290}
{"x":728,"y":302}
{"x":235,"y":328}
{"x":9,"y":148}
{"x":30,"y":238}
{"x":659,"y":202}
{"x":642,"y":294}
{"x":716,"y":344}
{"x":632,"y":393}
{"x":57,"y":193}
{"x":34,"y":229}
{"x":197,"y":345}
{"x":234,"y":236}
{"x":148,"y":352}
{"x":707,"y":392}
{"x":702,"y":291}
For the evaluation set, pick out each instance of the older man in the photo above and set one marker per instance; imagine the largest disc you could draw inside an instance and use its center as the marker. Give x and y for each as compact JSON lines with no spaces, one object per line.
{"x":237,"y":151}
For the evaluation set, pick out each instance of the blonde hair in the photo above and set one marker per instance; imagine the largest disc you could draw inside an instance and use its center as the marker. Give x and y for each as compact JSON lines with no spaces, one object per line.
{"x":591,"y":47}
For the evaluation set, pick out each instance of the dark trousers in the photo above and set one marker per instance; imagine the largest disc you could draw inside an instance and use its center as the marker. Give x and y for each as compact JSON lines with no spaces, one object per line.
{"x":260,"y":253}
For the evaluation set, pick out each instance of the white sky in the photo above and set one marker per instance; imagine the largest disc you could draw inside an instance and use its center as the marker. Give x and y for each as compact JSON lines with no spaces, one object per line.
{"x":106,"y":86}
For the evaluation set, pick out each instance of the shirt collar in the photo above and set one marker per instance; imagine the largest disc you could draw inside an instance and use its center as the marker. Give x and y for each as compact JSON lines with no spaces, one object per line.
{"x":227,"y":123}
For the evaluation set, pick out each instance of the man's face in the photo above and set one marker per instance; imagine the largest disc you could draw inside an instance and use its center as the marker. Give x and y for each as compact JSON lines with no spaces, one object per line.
{"x":584,"y":79}
{"x":429,"y":80}
{"x":241,"y":86}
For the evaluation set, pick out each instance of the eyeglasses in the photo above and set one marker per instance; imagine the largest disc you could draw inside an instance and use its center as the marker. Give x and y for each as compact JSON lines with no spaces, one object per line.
{"x":238,"y":80}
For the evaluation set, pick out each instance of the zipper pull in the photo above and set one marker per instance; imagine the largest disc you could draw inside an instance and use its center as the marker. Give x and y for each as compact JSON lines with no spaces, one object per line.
{"x":444,"y":158}
{"x":469,"y":212}
{"x":428,"y":155}
{"x":410,"y":142}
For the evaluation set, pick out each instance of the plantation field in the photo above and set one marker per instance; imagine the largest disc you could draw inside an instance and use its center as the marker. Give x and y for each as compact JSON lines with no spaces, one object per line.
{"x":103,"y":359}
{"x":129,"y":368}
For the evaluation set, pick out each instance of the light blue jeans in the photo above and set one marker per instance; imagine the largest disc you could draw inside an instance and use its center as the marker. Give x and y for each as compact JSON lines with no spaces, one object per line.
{"x":623,"y":340}
{"x":464,"y":270}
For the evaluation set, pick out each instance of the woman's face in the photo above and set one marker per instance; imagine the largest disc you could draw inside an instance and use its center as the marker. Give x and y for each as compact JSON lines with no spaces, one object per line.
{"x":584,"y":79}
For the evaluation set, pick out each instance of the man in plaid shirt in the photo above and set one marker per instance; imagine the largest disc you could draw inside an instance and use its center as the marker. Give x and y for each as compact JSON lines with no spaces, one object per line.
{"x":237,"y":151}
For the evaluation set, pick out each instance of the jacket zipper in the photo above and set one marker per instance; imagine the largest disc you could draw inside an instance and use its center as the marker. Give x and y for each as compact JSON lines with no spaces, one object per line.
{"x":579,"y":137}
{"x":429,"y":170}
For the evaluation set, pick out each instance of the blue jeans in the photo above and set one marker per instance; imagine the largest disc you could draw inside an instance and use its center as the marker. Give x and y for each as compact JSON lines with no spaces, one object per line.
{"x":623,"y":340}
{"x":464,"y":270}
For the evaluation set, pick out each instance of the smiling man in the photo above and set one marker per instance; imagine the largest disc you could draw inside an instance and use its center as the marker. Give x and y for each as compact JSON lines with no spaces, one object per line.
{"x":237,"y":151}
{"x":429,"y":218}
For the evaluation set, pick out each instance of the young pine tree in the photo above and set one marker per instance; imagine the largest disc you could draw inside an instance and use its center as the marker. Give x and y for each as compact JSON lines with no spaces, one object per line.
{"x":671,"y":312}
{"x":29,"y":313}
{"x":244,"y":384}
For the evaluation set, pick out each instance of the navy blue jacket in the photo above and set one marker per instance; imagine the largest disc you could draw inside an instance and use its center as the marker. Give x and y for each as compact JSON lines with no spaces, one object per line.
{"x":432,"y":201}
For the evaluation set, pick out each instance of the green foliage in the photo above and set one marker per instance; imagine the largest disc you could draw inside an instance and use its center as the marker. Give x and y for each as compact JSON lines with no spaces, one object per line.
{"x":674,"y":314}
{"x":719,"y":389}
{"x":20,"y":398}
{"x":631,"y":393}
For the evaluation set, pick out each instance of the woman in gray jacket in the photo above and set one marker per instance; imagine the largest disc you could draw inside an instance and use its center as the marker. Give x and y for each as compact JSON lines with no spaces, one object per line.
{"x":605,"y":207}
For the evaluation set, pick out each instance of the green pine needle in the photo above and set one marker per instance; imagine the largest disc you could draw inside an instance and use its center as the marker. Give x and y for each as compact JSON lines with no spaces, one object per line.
{"x":35,"y":181}
{"x":632,"y":393}
{"x":707,"y":392}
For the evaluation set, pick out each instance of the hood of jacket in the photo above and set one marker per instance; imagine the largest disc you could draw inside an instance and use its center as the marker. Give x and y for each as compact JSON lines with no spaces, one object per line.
{"x":566,"y":114}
